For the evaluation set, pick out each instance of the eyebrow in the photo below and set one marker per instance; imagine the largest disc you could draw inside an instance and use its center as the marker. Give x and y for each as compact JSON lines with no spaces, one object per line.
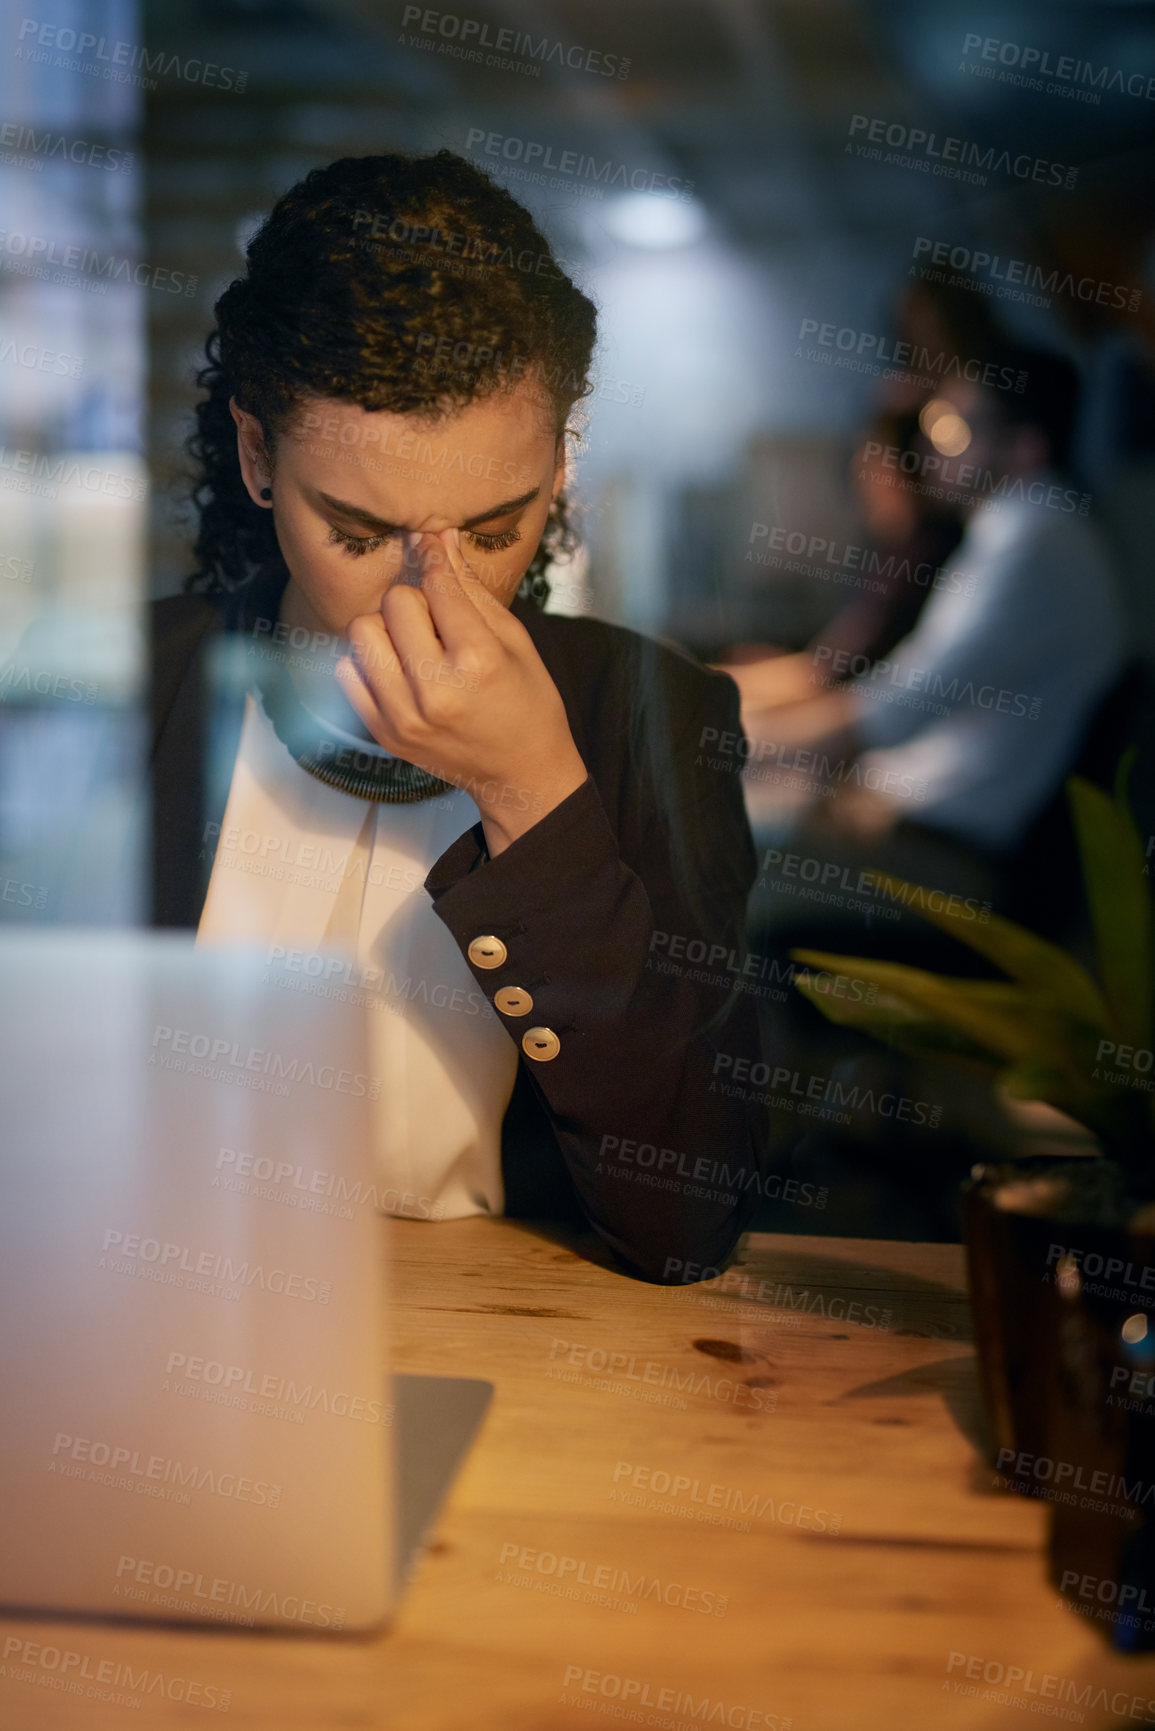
{"x":380,"y":526}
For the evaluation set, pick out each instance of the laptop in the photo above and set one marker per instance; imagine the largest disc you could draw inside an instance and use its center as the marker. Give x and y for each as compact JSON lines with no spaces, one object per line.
{"x":198,"y":1423}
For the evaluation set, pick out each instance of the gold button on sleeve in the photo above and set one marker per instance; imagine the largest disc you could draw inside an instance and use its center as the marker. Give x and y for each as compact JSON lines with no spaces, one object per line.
{"x":541,"y":1044}
{"x":487,"y":952}
{"x":513,"y":1001}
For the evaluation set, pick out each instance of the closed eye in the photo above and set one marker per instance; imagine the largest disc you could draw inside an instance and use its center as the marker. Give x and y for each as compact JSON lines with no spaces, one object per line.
{"x":358,"y":545}
{"x":494,"y":543}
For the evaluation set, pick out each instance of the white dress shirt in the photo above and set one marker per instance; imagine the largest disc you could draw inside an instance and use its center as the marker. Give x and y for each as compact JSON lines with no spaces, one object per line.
{"x":305,"y":866}
{"x":1023,"y":638}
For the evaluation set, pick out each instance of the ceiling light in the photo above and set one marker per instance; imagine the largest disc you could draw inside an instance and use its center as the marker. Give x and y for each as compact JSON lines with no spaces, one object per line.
{"x":647,"y":219}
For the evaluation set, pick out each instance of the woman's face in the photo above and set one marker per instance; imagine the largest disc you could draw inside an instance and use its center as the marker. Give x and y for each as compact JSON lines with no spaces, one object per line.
{"x":359,"y":497}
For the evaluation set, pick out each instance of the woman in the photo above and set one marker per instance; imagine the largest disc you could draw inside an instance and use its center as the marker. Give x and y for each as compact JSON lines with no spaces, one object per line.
{"x":510,"y":822}
{"x":910,"y":537}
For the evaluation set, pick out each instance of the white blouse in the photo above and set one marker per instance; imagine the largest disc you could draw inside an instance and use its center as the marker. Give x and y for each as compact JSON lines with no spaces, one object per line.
{"x":306,"y":866}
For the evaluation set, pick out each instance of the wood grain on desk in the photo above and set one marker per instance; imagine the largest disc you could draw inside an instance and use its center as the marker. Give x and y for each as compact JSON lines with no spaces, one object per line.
{"x":830,"y":1376}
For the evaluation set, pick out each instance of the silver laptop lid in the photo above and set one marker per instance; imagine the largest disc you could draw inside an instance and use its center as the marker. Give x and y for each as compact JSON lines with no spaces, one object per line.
{"x":196,"y":1422}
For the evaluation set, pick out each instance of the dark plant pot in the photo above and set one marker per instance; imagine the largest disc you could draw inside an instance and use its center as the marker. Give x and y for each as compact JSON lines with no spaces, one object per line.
{"x":1064,"y":1305}
{"x":1009,"y":1276}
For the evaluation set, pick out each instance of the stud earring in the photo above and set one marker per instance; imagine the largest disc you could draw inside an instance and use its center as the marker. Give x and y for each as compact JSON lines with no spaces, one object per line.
{"x":266,"y":492}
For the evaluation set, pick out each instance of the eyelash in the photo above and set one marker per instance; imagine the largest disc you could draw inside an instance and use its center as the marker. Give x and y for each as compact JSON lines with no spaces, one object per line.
{"x":357,"y":545}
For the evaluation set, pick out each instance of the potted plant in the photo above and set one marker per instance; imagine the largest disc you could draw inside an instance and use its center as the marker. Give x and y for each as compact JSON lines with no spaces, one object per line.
{"x":1060,"y":1251}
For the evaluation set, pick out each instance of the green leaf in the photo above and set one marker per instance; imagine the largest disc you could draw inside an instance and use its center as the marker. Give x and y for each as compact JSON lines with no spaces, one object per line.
{"x":1120,"y":905}
{"x":997,"y":1016}
{"x":1123,"y":777}
{"x":1078,"y":1096}
{"x":1032,"y":1081}
{"x":1033,"y":961}
{"x":893,"y":1021}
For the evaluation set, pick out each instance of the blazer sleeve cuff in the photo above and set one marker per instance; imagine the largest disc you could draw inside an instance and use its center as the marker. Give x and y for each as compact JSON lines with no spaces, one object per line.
{"x":572,"y":844}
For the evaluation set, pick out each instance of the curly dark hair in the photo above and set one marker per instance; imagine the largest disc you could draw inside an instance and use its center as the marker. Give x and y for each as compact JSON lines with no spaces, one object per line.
{"x":410,"y":284}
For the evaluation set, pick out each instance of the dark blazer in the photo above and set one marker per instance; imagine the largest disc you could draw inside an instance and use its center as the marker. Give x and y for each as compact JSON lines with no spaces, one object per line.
{"x":628,"y":1125}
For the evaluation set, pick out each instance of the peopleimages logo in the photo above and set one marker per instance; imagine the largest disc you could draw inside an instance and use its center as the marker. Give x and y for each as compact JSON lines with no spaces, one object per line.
{"x":1096,"y":1489}
{"x":226,"y":1060}
{"x":540,"y":158}
{"x":758,"y":973}
{"x":860,"y":567}
{"x":1043,"y":1686}
{"x":1038,"y":285}
{"x":315,"y":1190}
{"x":31,"y":149}
{"x":1027,"y":66}
{"x":833,"y":1309}
{"x":1098,"y":1593}
{"x":165,"y":1583}
{"x":609,"y":1578}
{"x":868,"y":884}
{"x":120,"y":62}
{"x":714,"y":1504}
{"x":954,"y":158}
{"x":416,"y":243}
{"x":637,"y":1692}
{"x":1140,"y":1390}
{"x":1136,"y":1059}
{"x":40,"y":682}
{"x":265,"y":1393}
{"x":16,"y":568}
{"x":24,"y":895}
{"x":871,"y":352}
{"x":802,"y":1090}
{"x":673,"y":1164}
{"x":168,"y":1263}
{"x":36,"y":252}
{"x":408,"y":446}
{"x":46,"y":472}
{"x":875,"y":676}
{"x":153,"y":1475}
{"x":1074,"y":1266}
{"x":464,"y":38}
{"x":41,"y":360}
{"x":650,"y":1376}
{"x":798,"y":766}
{"x":675,"y":947}
{"x":116,"y":1682}
{"x":969,"y":478}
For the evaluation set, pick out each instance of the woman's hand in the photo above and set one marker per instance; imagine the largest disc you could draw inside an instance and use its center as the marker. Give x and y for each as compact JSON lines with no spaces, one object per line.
{"x":444,"y":677}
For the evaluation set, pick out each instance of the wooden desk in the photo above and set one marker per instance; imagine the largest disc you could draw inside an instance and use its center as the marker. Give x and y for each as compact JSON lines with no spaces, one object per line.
{"x":861,"y":1414}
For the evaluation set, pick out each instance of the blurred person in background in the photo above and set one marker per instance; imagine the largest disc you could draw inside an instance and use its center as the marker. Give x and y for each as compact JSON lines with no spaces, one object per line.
{"x":941,"y":763}
{"x":948,"y":330}
{"x":965,"y":730}
{"x":910,"y":539}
